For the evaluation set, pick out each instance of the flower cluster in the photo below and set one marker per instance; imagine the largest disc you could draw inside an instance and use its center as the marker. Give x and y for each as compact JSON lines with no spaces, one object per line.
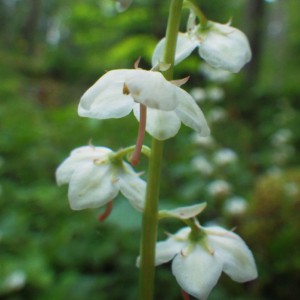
{"x":96,"y":175}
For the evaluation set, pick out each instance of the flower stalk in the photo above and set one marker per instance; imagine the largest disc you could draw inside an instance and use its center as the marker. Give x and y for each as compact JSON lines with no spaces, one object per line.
{"x":129,"y":150}
{"x":150,"y":219}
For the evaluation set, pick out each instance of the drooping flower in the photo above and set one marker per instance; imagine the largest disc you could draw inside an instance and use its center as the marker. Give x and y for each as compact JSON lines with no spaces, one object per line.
{"x":199,"y":259}
{"x":95,"y":177}
{"x":220,"y":45}
{"x":118,"y":92}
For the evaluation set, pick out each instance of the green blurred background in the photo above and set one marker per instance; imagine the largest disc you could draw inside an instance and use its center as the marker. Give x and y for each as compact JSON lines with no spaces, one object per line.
{"x":248,"y":171}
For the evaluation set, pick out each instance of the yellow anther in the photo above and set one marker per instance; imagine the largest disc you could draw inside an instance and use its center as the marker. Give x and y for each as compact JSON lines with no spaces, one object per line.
{"x":125,"y":90}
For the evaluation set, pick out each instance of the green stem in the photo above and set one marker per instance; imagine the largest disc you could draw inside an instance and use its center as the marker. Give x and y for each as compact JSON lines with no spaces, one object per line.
{"x":149,"y":226}
{"x":150,"y":219}
{"x":171,"y":36}
{"x":129,"y":150}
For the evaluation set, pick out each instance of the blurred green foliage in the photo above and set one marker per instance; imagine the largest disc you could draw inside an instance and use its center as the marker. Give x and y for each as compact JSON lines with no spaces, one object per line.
{"x":50,"y":52}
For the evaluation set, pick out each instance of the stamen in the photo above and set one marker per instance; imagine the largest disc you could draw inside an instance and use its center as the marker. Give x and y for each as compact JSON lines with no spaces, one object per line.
{"x":125,"y":90}
{"x":108,"y":209}
{"x":185,"y":295}
{"x":141,"y":134}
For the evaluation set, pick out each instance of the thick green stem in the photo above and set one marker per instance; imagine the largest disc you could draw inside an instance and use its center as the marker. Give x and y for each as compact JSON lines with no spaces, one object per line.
{"x":149,"y":229}
{"x":171,"y":36}
{"x":150,"y":216}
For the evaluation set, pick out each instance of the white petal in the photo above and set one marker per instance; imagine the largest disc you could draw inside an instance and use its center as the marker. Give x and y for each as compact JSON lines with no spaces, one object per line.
{"x":132,"y":187}
{"x":238,"y":260}
{"x":66,"y":169}
{"x":105,"y":99}
{"x":160,"y":124}
{"x":151,"y":89}
{"x":78,"y":157}
{"x":225,"y":47}
{"x":184,"y":48}
{"x":197,"y":272}
{"x":91,"y":186}
{"x":190,"y":113}
{"x":166,"y":250}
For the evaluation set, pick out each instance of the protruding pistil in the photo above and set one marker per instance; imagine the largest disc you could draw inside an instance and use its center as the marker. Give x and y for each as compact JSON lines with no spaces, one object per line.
{"x":141,"y":134}
{"x":107,"y":212}
{"x":185,"y":295}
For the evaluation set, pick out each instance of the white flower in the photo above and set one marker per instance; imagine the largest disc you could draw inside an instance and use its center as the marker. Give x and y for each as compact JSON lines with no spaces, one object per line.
{"x":220,"y":45}
{"x":15,"y":281}
{"x":95,"y":177}
{"x":198,"y":94}
{"x":224,"y":47}
{"x":281,"y":137}
{"x":215,"y":93}
{"x":206,"y":142}
{"x":118,"y":92}
{"x":236,"y":205}
{"x":217,"y":114}
{"x":225,"y":157}
{"x":198,"y":262}
{"x":202,"y":165}
{"x":219,"y":188}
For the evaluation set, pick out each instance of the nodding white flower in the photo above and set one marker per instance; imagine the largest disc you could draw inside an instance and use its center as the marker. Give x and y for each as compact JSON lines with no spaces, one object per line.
{"x":118,"y":92}
{"x":220,"y":45}
{"x":95,"y":177}
{"x":199,"y":259}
